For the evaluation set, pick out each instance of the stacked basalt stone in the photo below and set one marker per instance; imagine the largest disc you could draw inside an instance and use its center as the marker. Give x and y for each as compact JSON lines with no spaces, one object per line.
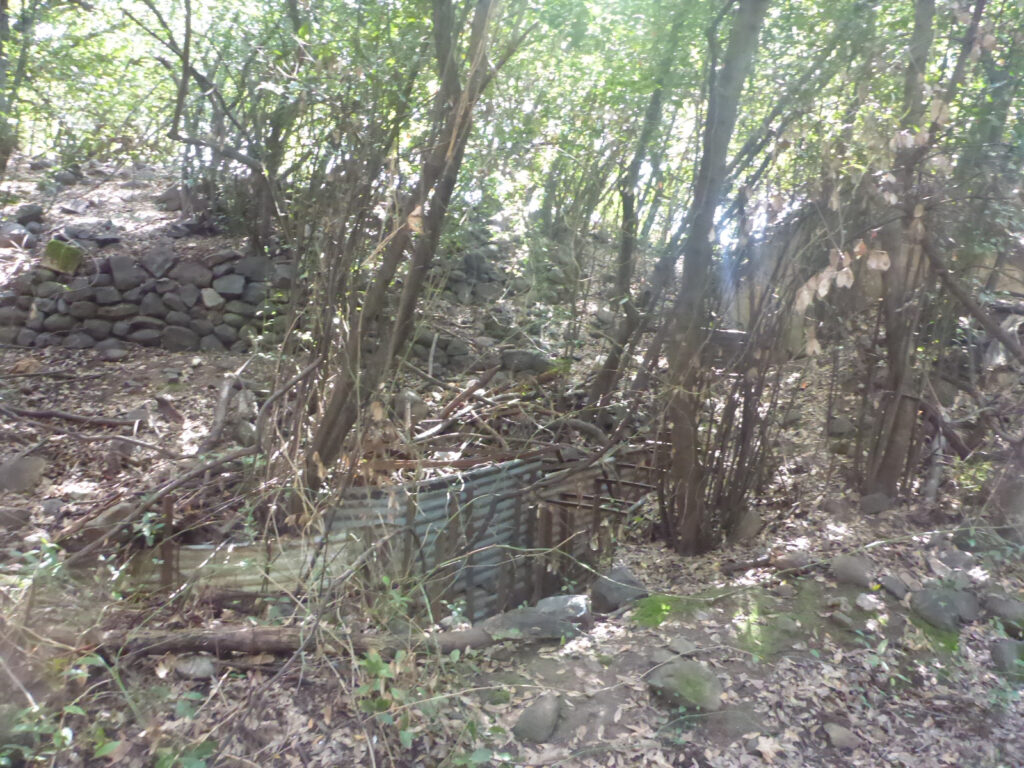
{"x":215,"y":304}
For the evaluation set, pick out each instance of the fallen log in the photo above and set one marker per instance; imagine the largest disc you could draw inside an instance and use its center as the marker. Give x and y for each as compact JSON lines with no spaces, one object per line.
{"x":520,"y":625}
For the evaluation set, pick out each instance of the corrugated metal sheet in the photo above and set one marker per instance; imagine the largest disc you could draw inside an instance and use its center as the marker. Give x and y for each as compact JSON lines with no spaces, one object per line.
{"x":491,"y":537}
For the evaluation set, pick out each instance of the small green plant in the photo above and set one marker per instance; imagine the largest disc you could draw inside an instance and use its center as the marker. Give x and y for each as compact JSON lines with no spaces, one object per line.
{"x":191,"y":757}
{"x":652,"y":611}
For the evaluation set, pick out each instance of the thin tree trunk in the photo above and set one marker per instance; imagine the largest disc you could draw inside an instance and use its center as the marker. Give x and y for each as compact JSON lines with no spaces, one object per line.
{"x":687,"y":525}
{"x":611,"y":370}
{"x":454,"y":103}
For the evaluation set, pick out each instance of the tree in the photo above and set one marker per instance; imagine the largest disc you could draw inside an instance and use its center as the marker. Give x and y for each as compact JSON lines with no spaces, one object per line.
{"x":688,"y":528}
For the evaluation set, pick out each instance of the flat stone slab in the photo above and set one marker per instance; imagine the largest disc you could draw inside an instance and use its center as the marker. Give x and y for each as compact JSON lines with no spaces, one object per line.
{"x":688,"y":684}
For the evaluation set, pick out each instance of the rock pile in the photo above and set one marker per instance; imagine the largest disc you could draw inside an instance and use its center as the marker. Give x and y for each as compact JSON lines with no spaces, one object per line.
{"x":160,"y":299}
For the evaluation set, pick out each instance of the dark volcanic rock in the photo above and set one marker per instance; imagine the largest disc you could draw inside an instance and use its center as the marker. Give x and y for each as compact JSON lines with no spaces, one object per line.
{"x":79,"y":340}
{"x":107,"y":295}
{"x":229,"y":286}
{"x":192,"y":272}
{"x":945,"y":608}
{"x":148,"y":337}
{"x":159,"y":259}
{"x":616,"y":589}
{"x":125,"y":272}
{"x":538,"y":721}
{"x":178,"y":338}
{"x":255,"y":268}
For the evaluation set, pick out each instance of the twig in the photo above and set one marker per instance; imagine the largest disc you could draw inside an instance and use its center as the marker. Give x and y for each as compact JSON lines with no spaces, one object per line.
{"x":19,"y":684}
{"x":160,"y":493}
{"x":469,"y":391}
{"x":220,"y":414}
{"x":55,"y":373}
{"x":130,"y":440}
{"x":53,"y":414}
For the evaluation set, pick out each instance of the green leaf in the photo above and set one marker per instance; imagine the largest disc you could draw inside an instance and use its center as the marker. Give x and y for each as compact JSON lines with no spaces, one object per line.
{"x":74,"y":709}
{"x":106,"y":748}
{"x":405,"y":738}
{"x":480,"y":756}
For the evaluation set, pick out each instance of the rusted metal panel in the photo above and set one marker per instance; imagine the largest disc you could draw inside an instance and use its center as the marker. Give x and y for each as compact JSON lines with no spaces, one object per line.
{"x":492,"y":537}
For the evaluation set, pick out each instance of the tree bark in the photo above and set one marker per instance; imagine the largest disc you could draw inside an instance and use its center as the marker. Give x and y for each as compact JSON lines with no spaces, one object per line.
{"x":687,"y":525}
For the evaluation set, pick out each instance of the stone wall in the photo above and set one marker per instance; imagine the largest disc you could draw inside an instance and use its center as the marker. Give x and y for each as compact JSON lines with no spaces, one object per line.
{"x":215,"y":303}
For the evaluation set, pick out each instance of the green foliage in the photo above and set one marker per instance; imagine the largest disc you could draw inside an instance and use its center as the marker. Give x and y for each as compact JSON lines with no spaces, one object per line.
{"x":194,"y":756}
{"x":651,"y":611}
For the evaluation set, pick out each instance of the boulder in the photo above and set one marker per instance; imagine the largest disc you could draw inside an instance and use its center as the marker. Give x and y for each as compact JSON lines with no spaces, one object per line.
{"x":125,"y":272}
{"x":614,"y":590}
{"x":117,"y":311}
{"x":686,"y":683}
{"x":211,"y":343}
{"x":255,"y":293}
{"x":107,"y":294}
{"x":78,"y":340}
{"x":57,"y":323}
{"x":893,"y":586}
{"x":12,"y":316}
{"x":189,"y":294}
{"x":1009,"y":612}
{"x":192,"y":272}
{"x":28,"y":213}
{"x":538,"y":721}
{"x":147,"y":337}
{"x":255,"y":268}
{"x":226,"y":333}
{"x":159,"y":259}
{"x":151,"y":304}
{"x":48,"y":288}
{"x":230,"y":286}
{"x":103,"y":233}
{"x":178,"y":338}
{"x":240,"y":308}
{"x":529,"y":624}
{"x":14,"y":235}
{"x":22,"y":474}
{"x":211,"y":298}
{"x":874,"y":503}
{"x":83,"y":309}
{"x":65,"y":178}
{"x":98,"y":329}
{"x":527,"y":360}
{"x":853,"y":569}
{"x":572,"y":608}
{"x":1008,"y":656}
{"x":945,"y":608}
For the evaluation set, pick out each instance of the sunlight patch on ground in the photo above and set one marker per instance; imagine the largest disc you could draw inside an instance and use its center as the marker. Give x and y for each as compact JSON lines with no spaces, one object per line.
{"x":604,"y":632}
{"x":838,"y":531}
{"x":75,"y":489}
{"x":800,"y":543}
{"x":192,"y":432}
